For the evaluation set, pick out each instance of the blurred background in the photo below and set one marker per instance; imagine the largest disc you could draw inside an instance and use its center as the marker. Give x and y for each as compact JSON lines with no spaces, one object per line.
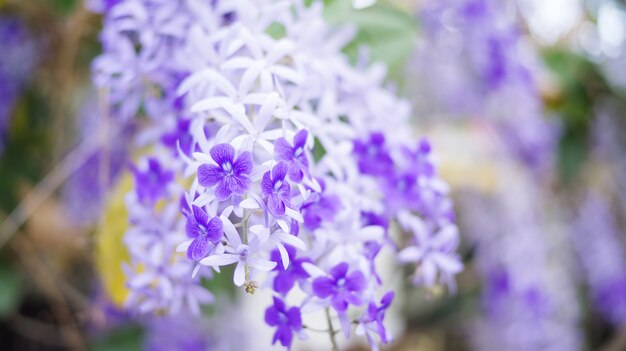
{"x":524,"y":104}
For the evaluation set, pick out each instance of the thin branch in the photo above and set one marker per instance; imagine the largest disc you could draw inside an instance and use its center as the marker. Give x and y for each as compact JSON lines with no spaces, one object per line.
{"x":48,"y":285}
{"x":331,"y":330}
{"x":46,"y":187}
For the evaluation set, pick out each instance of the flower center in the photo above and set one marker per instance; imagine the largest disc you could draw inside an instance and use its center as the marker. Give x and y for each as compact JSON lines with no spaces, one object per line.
{"x":244,"y":252}
{"x":298,"y":152}
{"x":277,"y":185}
{"x":203,"y":229}
{"x":227,"y":167}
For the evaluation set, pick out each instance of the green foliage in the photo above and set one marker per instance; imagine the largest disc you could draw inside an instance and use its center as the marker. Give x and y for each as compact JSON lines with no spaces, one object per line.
{"x":386,"y":31}
{"x":581,"y":85}
{"x":10,"y":289}
{"x":123,"y":339}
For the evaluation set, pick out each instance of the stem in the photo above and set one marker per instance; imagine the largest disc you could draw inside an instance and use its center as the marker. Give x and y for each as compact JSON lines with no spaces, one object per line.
{"x":331,"y":330}
{"x":245,"y":227}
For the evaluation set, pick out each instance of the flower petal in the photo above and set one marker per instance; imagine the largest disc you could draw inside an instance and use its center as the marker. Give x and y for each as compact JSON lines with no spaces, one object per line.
{"x":209,"y":175}
{"x":222,"y":153}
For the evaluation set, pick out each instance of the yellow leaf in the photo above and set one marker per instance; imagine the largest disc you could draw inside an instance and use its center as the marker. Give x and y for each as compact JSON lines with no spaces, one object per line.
{"x":111,"y":252}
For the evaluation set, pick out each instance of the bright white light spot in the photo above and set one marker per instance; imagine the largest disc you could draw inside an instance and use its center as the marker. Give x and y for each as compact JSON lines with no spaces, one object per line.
{"x":549,"y":20}
{"x":362,"y":4}
{"x":611,"y":28}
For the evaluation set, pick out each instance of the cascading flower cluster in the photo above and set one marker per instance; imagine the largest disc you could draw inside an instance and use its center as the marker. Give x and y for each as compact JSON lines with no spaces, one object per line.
{"x":529,"y":296}
{"x":595,"y":237}
{"x":473,"y":61}
{"x":286,"y":162}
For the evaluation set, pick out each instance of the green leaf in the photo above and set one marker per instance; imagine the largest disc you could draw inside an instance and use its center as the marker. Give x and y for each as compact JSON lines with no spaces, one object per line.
{"x":10,"y":289}
{"x":124,"y":339}
{"x":388,"y":32}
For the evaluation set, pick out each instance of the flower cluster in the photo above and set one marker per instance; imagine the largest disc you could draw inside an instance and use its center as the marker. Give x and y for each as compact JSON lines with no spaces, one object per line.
{"x":290,"y":163}
{"x":473,"y":61}
{"x":528,"y":296}
{"x":596,"y":240}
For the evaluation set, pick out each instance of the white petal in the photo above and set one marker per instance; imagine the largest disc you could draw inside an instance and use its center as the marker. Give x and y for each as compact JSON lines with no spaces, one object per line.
{"x":290,"y":239}
{"x":294,"y":214}
{"x":240,"y":274}
{"x":219,"y":260}
{"x":249,"y":204}
{"x":231,"y":232}
{"x":261,"y":264}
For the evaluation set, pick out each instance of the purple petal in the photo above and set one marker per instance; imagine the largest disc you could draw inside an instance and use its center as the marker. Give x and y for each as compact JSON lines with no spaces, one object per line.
{"x":267,"y":186}
{"x":283,"y":150}
{"x":272,"y":316}
{"x":191,"y":228}
{"x":198,"y":249}
{"x":284,"y":192}
{"x":243,"y":164}
{"x":279,"y":171}
{"x":284,"y":335}
{"x":239,"y":184}
{"x":215,"y":229}
{"x":299,"y":140}
{"x":275,"y":205}
{"x":284,"y":282}
{"x":209,"y":175}
{"x":279,"y":304}
{"x":338,"y":303}
{"x":323,"y":287}
{"x":295,"y":173}
{"x":355,"y":281}
{"x":295,"y":318}
{"x":200,"y":216}
{"x":339,"y":271}
{"x":222,"y":153}
{"x":387,"y":299}
{"x":222,"y":191}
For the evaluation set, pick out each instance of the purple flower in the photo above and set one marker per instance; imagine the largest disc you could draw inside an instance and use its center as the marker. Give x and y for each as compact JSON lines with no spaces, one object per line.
{"x":372,"y":319}
{"x":230,"y":175}
{"x":203,"y":231}
{"x":286,"y":277}
{"x":373,"y":156}
{"x":276,"y":189}
{"x":180,"y":135}
{"x":286,"y":320}
{"x":294,"y":155}
{"x":341,"y":287}
{"x":324,"y":209}
{"x":151,"y":184}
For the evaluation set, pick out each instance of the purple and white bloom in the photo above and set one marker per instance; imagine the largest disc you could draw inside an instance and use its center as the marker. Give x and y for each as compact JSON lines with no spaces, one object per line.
{"x":295,"y":155}
{"x":276,"y":189}
{"x":205,"y":233}
{"x":230,"y":175}
{"x":286,"y":320}
{"x":434,"y":256}
{"x":245,"y":255}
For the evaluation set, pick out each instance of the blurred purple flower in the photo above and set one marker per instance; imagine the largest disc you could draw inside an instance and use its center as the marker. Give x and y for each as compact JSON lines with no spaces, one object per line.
{"x":342,"y":288}
{"x":151,"y":184}
{"x":286,"y":320}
